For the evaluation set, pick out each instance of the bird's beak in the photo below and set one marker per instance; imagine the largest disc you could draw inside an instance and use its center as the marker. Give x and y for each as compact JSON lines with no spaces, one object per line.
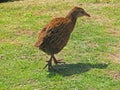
{"x":86,"y":14}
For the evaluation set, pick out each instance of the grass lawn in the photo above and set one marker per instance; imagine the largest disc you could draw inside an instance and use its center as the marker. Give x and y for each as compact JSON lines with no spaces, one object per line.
{"x":92,"y":54}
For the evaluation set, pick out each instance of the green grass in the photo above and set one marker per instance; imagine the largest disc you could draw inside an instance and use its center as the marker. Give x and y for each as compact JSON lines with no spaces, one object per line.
{"x":90,"y":64}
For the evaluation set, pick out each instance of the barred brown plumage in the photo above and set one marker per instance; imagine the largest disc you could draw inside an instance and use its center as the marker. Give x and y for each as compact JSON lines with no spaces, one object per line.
{"x":55,"y":35}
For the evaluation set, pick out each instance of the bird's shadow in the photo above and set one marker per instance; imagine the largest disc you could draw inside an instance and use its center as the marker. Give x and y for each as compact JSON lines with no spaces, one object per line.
{"x":70,"y":69}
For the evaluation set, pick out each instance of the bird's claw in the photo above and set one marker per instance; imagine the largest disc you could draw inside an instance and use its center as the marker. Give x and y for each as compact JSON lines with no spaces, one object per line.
{"x":49,"y":65}
{"x":58,"y":61}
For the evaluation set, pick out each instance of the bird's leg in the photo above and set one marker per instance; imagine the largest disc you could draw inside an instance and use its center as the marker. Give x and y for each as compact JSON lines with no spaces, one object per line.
{"x":57,"y":61}
{"x":49,"y":64}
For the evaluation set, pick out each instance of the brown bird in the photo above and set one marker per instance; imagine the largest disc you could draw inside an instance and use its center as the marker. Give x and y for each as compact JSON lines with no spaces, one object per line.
{"x":55,"y":35}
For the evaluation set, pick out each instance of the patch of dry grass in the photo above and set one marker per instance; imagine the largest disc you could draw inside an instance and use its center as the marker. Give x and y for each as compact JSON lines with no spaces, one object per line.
{"x":24,"y":32}
{"x":114,"y":32}
{"x":115,"y":57}
{"x":115,"y":75}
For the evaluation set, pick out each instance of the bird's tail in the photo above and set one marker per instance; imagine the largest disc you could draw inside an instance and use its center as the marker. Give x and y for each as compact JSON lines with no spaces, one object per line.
{"x":37,"y":44}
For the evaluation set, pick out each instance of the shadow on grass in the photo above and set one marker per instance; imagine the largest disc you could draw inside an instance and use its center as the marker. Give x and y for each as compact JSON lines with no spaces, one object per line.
{"x":70,"y":69}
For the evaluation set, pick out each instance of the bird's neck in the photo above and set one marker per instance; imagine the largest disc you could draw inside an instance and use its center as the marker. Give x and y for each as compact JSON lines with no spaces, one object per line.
{"x":73,"y":21}
{"x":72,"y":17}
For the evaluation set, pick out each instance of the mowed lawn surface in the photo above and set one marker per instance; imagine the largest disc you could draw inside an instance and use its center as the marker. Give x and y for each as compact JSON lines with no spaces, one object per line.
{"x":92,"y":54}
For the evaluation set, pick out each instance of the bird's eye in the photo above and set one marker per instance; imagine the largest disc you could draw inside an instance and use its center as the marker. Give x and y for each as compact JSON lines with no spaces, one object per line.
{"x":82,"y":11}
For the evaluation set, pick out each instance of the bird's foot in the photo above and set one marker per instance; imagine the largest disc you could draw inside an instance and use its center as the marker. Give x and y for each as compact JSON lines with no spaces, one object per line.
{"x":58,"y":61}
{"x":49,"y":65}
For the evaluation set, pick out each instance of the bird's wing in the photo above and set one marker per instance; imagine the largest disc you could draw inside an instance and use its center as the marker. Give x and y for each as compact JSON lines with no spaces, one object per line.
{"x":52,"y":30}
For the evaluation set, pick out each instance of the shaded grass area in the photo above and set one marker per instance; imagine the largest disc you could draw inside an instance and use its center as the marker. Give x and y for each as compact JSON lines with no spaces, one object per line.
{"x":71,"y":69}
{"x":88,"y":66}
{"x":3,"y":1}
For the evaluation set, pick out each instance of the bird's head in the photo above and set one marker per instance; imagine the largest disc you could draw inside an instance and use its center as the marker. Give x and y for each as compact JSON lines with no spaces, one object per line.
{"x":78,"y":12}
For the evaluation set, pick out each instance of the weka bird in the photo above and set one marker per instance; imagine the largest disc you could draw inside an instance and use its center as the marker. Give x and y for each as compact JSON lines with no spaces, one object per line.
{"x":55,"y":35}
